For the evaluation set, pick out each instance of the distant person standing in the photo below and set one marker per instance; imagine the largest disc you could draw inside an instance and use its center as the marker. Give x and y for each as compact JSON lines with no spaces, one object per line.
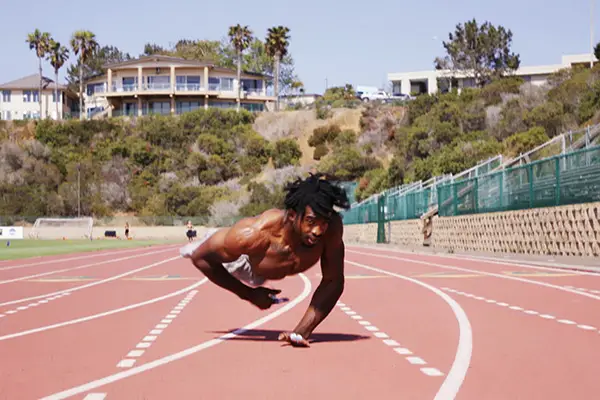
{"x":190,"y":231}
{"x":127,"y":230}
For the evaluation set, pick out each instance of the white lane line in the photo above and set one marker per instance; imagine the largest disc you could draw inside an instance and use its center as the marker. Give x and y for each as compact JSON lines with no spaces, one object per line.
{"x":147,"y":340}
{"x":587,"y":327}
{"x":104,"y":314}
{"x":126,"y":363}
{"x":431,"y":371}
{"x":45,"y":301}
{"x":472,"y":271}
{"x":58,"y":271}
{"x":416,"y":360}
{"x":95,"y":396}
{"x":112,"y":278}
{"x":583,"y":289}
{"x":490,"y":260}
{"x":392,"y":343}
{"x":184,"y":353}
{"x":62,"y":260}
{"x":462,"y":359}
{"x":544,"y":316}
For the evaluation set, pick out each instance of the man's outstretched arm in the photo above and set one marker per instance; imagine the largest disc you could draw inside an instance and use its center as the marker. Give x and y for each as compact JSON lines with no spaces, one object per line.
{"x":331,"y":287}
{"x":227,"y":246}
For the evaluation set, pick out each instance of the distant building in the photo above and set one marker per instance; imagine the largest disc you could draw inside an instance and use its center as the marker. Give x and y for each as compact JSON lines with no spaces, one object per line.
{"x":431,"y":81}
{"x":169,"y":85}
{"x":302,"y":99}
{"x":19,"y":99}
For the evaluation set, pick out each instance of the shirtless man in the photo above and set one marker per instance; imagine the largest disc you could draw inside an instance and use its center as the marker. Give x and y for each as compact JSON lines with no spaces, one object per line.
{"x":280,"y":243}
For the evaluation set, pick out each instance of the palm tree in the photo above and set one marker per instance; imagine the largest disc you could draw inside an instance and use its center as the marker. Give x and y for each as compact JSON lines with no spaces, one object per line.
{"x":83,"y":44}
{"x":277,"y":47}
{"x":57,"y":56}
{"x":40,"y":42}
{"x":240,"y":37}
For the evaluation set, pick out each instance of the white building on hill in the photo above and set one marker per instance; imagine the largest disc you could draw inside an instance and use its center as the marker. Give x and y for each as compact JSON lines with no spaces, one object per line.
{"x":431,"y":81}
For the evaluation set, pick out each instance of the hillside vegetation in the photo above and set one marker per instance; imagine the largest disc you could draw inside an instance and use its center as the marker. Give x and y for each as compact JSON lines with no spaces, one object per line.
{"x":218,"y":164}
{"x":448,"y":133}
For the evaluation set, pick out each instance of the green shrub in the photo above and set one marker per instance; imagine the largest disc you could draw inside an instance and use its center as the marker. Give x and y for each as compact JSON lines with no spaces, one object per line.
{"x":286,"y":152}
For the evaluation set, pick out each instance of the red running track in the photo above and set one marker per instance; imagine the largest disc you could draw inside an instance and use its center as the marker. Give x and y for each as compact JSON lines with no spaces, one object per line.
{"x":410,"y":326}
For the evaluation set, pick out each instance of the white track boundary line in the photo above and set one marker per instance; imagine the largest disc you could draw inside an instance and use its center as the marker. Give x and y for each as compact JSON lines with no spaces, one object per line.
{"x":473,"y":271}
{"x":491,"y":260}
{"x":112,"y":260}
{"x":151,"y":337}
{"x":70,"y":290}
{"x":184,"y":353}
{"x":394,"y":345}
{"x":59,"y":260}
{"x":523,"y":309}
{"x":460,"y":366}
{"x":103,"y":314}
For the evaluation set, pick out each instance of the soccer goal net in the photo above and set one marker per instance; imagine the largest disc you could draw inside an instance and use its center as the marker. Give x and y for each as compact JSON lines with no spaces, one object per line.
{"x":59,"y":228}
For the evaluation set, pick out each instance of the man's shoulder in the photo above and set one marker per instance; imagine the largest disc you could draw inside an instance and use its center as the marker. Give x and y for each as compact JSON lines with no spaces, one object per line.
{"x":254,"y":232}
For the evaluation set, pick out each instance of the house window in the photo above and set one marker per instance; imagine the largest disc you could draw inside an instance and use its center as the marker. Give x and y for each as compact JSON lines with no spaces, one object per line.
{"x":30,"y":96}
{"x":252,"y":85}
{"x":60,"y":95}
{"x":6,"y":96}
{"x":227,"y":84}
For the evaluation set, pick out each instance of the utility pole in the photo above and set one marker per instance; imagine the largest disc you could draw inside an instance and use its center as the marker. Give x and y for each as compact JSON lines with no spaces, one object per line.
{"x":591,"y":34}
{"x":78,"y":190}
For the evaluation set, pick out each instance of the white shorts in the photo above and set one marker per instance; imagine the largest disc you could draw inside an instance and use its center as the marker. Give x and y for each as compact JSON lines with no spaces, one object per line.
{"x":240,"y":268}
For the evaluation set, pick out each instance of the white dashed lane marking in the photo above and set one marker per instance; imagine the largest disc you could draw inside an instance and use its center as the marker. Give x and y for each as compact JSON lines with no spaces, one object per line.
{"x":31,"y":305}
{"x":95,"y":396}
{"x":529,"y":312}
{"x":414,"y":360}
{"x":153,"y":335}
{"x":582,"y":289}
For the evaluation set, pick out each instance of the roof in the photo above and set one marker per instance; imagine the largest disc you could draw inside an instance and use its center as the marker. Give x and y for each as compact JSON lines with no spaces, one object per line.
{"x":31,"y":82}
{"x":567,"y":62}
{"x":156,"y":61}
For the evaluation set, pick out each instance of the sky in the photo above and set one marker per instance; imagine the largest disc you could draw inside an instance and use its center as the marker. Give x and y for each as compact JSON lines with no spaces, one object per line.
{"x":333,"y":42}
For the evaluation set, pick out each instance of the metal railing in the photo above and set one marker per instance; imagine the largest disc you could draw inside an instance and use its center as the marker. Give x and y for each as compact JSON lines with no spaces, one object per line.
{"x":558,"y":180}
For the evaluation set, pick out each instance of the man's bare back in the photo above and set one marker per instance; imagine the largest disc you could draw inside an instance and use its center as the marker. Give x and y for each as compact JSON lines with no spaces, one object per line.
{"x":280,"y":243}
{"x":273,"y":252}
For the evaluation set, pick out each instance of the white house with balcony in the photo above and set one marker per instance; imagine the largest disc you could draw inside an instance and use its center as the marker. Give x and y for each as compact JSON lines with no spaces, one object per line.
{"x":439,"y":80}
{"x":169,"y":85}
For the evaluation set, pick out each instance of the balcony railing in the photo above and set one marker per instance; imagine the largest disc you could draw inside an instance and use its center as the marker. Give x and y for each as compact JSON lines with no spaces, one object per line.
{"x":156,"y":86}
{"x":180,"y":87}
{"x":188,"y":87}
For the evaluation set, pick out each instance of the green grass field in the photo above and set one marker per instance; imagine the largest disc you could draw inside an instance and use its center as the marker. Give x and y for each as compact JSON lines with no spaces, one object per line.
{"x":20,"y":249}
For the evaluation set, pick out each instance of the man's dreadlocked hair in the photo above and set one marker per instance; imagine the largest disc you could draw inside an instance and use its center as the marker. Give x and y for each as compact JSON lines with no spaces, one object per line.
{"x":318,"y":193}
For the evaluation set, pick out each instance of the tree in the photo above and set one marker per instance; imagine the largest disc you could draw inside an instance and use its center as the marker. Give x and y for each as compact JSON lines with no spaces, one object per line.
{"x":240,"y":38}
{"x":480,"y":52}
{"x":276,"y":45}
{"x":40,"y":42}
{"x":58,"y":56}
{"x":85,"y":45}
{"x":223,"y":54}
{"x":94,"y":65}
{"x":597,"y":51}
